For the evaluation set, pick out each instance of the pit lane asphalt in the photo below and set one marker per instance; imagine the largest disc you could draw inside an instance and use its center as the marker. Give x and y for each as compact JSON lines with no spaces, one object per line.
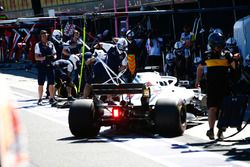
{"x":45,"y":133}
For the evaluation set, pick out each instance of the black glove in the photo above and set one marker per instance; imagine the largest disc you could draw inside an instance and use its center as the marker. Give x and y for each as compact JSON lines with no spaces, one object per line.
{"x":49,"y":57}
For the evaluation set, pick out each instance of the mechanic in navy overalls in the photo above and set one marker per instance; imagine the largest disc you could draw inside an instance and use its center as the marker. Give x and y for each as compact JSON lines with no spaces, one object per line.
{"x":73,"y":46}
{"x":64,"y":71}
{"x":117,"y":56}
{"x":45,"y":53}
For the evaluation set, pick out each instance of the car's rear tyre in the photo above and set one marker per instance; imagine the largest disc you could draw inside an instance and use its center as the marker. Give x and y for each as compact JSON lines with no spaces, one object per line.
{"x":170,"y":119}
{"x":82,"y":119}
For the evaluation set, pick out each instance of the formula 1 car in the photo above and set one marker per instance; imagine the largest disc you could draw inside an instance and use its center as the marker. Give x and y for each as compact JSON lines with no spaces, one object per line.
{"x":151,"y":99}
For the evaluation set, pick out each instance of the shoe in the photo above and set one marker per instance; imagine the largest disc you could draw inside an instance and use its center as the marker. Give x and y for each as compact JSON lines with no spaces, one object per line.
{"x":71,"y":98}
{"x":52,"y":101}
{"x":210,"y":134}
{"x":40,"y":102}
{"x":220,"y":134}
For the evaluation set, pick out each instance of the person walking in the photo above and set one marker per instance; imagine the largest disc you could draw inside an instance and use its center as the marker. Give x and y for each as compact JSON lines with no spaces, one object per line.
{"x":217,"y":62}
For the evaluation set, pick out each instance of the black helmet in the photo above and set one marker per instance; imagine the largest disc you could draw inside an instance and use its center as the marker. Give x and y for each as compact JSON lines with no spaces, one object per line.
{"x":216,"y":40}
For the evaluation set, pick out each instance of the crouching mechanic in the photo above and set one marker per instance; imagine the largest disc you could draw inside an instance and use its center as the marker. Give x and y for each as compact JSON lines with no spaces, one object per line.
{"x":64,"y":70}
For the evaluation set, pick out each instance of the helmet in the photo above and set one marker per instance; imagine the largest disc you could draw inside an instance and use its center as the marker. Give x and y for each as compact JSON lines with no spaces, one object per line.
{"x":216,"y":40}
{"x":75,"y":60}
{"x":123,"y":32}
{"x":218,"y":30}
{"x":57,"y":35}
{"x":197,"y":60}
{"x":231,"y":43}
{"x":170,"y":57}
{"x":215,"y":30}
{"x":130,"y":34}
{"x":99,"y":37}
{"x":178,"y":47}
{"x":122,"y":44}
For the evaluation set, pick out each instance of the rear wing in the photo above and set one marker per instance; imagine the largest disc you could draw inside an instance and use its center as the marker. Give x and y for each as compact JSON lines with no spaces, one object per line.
{"x":124,"y":88}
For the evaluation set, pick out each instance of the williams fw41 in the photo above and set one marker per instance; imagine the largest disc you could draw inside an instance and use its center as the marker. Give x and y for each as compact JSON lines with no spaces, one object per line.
{"x":151,"y":100}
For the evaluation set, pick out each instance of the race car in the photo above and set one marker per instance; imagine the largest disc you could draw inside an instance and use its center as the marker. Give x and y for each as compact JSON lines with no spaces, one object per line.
{"x":151,"y":100}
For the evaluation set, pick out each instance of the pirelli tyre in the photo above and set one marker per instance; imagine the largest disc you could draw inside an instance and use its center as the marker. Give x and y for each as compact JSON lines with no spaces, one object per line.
{"x":82,"y":119}
{"x":170,"y":119}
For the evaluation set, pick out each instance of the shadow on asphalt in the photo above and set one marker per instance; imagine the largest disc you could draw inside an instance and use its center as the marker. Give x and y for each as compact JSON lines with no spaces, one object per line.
{"x":75,"y":140}
{"x":19,"y":70}
{"x":114,"y":135}
{"x":240,"y":154}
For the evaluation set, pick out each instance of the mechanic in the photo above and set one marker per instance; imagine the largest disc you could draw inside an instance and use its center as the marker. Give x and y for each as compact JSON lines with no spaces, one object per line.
{"x":115,"y":58}
{"x":57,"y":39}
{"x":170,"y":66}
{"x":45,"y":53}
{"x":231,"y":46}
{"x":132,"y":55}
{"x":64,"y":70}
{"x":153,"y":45}
{"x":73,"y":46}
{"x":88,"y":74}
{"x":179,"y":60}
{"x":217,"y":63}
{"x":188,"y":39}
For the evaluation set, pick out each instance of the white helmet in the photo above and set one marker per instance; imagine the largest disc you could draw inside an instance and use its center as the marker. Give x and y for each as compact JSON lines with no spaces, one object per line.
{"x":178,"y":47}
{"x":75,"y":60}
{"x":122,"y":44}
{"x":57,"y":35}
{"x":130,"y":34}
{"x":197,"y":60}
{"x":170,"y":57}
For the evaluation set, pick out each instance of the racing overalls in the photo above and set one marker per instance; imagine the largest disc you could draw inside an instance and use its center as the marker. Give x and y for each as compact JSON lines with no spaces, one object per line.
{"x":217,"y":77}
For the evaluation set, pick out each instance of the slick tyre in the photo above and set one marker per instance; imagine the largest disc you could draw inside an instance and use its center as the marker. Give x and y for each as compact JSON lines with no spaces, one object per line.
{"x":81,"y":119}
{"x":170,"y":119}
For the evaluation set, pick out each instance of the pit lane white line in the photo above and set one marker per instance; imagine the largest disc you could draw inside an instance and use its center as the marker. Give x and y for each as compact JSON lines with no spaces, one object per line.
{"x":160,"y":150}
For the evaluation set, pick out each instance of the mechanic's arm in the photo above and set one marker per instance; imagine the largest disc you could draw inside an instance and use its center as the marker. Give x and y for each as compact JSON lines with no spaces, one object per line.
{"x":38,"y":55}
{"x":54,"y":52}
{"x":90,"y":60}
{"x":65,"y":52}
{"x":124,"y":64}
{"x":199,"y":73}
